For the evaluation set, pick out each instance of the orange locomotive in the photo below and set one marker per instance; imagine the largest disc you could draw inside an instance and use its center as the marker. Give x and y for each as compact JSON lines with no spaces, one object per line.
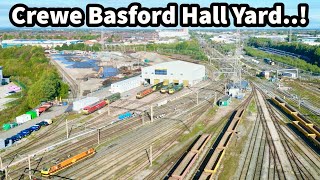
{"x":68,"y":162}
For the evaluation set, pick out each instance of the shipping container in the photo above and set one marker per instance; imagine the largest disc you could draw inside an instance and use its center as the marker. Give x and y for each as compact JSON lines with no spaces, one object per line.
{"x":125,"y":116}
{"x":32,"y":113}
{"x":80,"y":104}
{"x":14,"y":124}
{"x":6,"y":127}
{"x":23,"y":118}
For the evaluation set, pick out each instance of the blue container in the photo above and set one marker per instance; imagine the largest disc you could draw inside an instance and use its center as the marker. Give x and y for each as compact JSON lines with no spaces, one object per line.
{"x":64,"y":103}
{"x":124,"y":116}
{"x":110,"y":71}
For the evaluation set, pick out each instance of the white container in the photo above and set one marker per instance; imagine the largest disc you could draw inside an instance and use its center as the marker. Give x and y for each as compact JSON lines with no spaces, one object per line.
{"x":80,"y":104}
{"x":23,"y":118}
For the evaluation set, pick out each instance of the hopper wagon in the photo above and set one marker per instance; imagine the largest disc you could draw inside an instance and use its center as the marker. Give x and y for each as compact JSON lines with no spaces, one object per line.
{"x":67,"y":163}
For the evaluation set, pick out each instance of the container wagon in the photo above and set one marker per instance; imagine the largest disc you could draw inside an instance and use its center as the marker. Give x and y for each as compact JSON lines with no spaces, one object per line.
{"x":94,"y":107}
{"x":67,"y":163}
{"x":176,"y":89}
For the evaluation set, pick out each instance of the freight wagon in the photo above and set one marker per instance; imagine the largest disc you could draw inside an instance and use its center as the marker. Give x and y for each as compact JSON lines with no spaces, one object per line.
{"x":112,"y":98}
{"x":94,"y":107}
{"x":125,"y":116}
{"x":301,"y":122}
{"x":44,"y":107}
{"x":67,"y":163}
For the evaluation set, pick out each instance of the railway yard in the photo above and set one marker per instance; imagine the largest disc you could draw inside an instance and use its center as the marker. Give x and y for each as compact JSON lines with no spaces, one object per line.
{"x":182,"y":129}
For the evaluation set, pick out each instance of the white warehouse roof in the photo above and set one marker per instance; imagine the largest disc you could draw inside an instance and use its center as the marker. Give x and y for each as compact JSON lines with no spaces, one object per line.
{"x":174,"y":72}
{"x":181,"y":66}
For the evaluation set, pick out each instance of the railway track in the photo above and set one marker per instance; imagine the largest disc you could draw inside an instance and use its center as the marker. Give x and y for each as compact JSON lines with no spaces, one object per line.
{"x":173,"y":134}
{"x":57,"y":133}
{"x":212,"y":160}
{"x":65,"y":150}
{"x":298,"y":168}
{"x":257,"y":143}
{"x":66,"y":77}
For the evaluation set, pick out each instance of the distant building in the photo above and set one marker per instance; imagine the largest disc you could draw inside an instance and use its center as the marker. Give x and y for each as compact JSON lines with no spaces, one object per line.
{"x":225,"y":101}
{"x":280,"y":38}
{"x":183,"y":34}
{"x":90,"y":42}
{"x":174,"y":72}
{"x":289,"y":75}
{"x":34,"y":42}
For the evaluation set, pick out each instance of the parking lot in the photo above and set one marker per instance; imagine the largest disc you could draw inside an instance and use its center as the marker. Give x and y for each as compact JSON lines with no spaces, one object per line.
{"x":3,"y":97}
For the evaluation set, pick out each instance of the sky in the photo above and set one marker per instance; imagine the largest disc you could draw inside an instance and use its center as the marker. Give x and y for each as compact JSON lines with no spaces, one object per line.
{"x":290,"y":6}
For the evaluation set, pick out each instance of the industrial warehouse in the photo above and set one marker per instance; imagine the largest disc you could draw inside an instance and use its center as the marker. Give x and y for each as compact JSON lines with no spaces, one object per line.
{"x":119,"y":105}
{"x":176,"y":72}
{"x":42,"y":43}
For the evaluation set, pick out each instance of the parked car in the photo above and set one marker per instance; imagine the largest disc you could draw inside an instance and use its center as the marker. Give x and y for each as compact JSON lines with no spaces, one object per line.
{"x":6,"y":142}
{"x":42,"y":123}
{"x":15,"y":138}
{"x":10,"y":93}
{"x":34,"y":128}
{"x":25,"y":133}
